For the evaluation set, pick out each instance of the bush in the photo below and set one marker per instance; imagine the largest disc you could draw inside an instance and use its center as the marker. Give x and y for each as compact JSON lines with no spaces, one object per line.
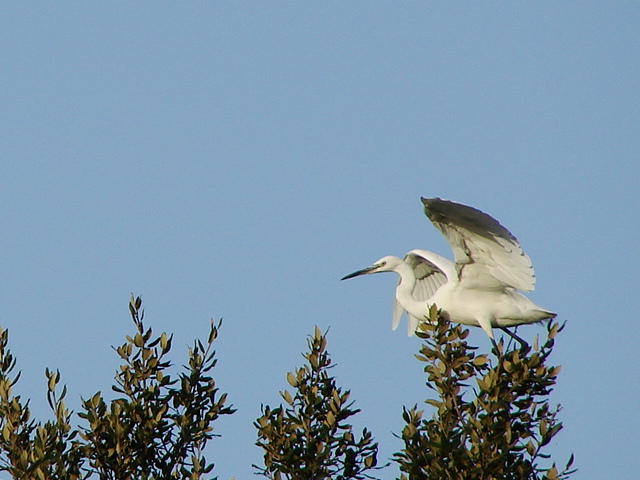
{"x":492,"y":416}
{"x":156,"y":429}
{"x":309,"y":439}
{"x":491,"y":420}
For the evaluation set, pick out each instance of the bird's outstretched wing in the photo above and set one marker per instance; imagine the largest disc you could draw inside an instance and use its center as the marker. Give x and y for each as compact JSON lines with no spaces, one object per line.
{"x":431,"y":272}
{"x":487,"y":255}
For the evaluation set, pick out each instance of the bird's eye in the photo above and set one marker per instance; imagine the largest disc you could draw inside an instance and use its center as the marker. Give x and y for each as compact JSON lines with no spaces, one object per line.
{"x":382,"y":264}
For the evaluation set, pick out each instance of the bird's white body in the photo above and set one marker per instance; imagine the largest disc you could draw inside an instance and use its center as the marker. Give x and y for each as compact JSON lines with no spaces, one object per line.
{"x":480,"y":289}
{"x":486,"y":308}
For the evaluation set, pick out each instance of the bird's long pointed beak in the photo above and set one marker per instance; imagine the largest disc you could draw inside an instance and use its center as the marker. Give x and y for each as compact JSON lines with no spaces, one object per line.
{"x":360,"y":272}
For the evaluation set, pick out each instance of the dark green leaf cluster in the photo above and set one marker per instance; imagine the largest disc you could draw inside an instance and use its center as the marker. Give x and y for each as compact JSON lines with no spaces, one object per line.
{"x":492,"y":417}
{"x":156,"y":429}
{"x":309,"y":439}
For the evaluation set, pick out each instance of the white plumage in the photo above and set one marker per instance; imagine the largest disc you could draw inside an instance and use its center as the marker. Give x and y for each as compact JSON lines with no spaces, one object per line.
{"x":480,"y":288}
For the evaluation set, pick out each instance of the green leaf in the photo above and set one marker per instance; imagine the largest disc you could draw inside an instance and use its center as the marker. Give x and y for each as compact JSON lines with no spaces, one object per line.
{"x":287,"y":397}
{"x":292,"y":379}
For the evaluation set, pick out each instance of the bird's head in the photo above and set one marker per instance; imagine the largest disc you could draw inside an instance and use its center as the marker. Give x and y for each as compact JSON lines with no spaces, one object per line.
{"x":385,"y":264}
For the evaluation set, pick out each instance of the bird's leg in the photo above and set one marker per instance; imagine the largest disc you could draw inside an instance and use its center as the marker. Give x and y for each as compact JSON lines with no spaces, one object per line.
{"x":485,"y":324}
{"x":522,"y":343}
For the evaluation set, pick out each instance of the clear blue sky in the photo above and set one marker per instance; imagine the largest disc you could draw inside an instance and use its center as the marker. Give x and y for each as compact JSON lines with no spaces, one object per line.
{"x":236,"y":159}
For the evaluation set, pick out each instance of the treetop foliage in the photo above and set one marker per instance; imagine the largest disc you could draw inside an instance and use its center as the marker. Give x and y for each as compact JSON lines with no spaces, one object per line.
{"x":309,"y":439}
{"x":157,"y":428}
{"x":490,"y":416}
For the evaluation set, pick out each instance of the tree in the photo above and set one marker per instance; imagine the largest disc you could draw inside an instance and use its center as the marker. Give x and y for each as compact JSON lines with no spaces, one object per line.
{"x":156,"y":429}
{"x":159,"y":427}
{"x":29,"y":449}
{"x":492,"y":417}
{"x":309,"y":439}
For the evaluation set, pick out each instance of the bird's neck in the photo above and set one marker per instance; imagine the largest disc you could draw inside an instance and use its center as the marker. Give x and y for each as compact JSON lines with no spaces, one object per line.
{"x":404,"y":292}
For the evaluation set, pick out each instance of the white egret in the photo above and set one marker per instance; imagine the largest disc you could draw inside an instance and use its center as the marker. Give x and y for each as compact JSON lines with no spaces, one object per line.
{"x":480,"y":289}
